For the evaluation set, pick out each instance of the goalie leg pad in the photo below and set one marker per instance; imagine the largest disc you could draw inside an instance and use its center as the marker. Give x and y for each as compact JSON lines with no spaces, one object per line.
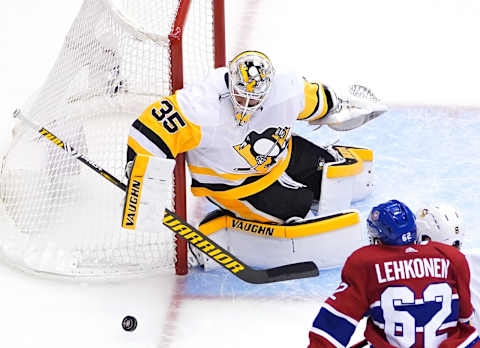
{"x":150,"y":191}
{"x":326,"y":240}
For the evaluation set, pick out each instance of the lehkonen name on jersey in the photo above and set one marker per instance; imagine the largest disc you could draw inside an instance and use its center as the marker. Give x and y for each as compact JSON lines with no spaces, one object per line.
{"x":423,"y":267}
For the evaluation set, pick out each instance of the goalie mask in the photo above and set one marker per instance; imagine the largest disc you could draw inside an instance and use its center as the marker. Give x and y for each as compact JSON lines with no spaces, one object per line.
{"x":250,"y":76}
{"x":441,"y":223}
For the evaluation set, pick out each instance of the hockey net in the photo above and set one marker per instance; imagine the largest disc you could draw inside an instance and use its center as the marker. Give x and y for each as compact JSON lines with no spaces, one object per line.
{"x":119,"y":56}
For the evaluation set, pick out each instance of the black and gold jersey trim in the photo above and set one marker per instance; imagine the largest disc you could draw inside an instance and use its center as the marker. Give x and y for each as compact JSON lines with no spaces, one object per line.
{"x":313,"y":99}
{"x":225,"y":187}
{"x":131,"y":154}
{"x":328,"y":96}
{"x":318,"y":100}
{"x":249,"y":187}
{"x":153,"y":137}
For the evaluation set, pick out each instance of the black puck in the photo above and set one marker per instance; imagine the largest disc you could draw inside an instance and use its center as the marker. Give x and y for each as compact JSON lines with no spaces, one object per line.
{"x":129,"y":323}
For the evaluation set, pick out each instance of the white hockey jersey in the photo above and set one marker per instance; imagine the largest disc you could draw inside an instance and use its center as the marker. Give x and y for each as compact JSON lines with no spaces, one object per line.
{"x":473,"y":258}
{"x":226,"y":160}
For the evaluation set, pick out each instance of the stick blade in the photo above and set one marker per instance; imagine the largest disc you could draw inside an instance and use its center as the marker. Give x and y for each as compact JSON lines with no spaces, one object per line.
{"x":282,"y":273}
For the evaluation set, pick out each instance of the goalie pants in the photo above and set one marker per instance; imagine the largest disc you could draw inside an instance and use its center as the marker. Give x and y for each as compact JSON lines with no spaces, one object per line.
{"x":278,"y":203}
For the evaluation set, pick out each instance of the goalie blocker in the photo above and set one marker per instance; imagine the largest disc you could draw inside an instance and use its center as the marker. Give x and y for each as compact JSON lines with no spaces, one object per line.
{"x":149,"y":192}
{"x":327,"y":239}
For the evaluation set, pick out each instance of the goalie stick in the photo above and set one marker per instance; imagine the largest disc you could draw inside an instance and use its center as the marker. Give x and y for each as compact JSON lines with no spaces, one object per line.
{"x":186,"y":231}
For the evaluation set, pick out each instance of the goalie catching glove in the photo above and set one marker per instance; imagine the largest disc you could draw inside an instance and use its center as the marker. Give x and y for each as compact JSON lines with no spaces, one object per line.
{"x":149,"y":192}
{"x":353,"y":110}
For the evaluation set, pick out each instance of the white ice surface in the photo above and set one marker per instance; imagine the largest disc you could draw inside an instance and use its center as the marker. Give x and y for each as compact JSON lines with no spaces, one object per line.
{"x":410,"y":52}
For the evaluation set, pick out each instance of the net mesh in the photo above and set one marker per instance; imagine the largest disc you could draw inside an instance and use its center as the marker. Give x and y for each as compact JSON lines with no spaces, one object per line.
{"x":59,"y":216}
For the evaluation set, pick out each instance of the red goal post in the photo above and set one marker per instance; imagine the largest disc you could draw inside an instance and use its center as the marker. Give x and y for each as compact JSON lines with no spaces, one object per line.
{"x":177,"y":83}
{"x":118,"y":57}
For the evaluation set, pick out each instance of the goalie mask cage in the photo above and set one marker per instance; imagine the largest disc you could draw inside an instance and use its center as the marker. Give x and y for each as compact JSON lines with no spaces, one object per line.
{"x":58,"y":216}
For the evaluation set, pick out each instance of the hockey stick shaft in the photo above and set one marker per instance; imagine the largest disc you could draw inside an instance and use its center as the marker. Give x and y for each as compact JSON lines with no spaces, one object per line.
{"x":70,"y":150}
{"x":186,"y":231}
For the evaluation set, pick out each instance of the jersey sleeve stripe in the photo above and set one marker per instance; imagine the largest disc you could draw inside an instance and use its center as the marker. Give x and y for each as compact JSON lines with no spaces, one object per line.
{"x":316,"y":103}
{"x":329,"y":338}
{"x":312,"y":100}
{"x":340,"y":314}
{"x":340,"y":326}
{"x":325,"y":107}
{"x":135,"y":148}
{"x":153,"y":138}
{"x":141,"y":144}
{"x":471,"y":340}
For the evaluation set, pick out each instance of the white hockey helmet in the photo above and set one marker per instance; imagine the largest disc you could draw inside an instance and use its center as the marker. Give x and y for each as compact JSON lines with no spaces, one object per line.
{"x":441,"y":223}
{"x":250,"y":76}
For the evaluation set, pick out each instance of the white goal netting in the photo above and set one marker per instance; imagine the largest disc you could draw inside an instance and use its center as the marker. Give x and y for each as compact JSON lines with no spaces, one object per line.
{"x":58,"y":216}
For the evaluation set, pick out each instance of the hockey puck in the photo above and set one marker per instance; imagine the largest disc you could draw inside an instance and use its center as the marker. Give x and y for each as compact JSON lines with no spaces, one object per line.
{"x":129,"y":323}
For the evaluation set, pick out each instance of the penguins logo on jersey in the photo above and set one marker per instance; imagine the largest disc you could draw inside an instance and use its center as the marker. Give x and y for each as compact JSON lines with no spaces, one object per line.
{"x":261,"y":150}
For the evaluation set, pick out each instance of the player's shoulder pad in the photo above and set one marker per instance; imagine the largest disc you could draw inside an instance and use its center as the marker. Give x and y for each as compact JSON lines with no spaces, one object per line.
{"x":285,"y":86}
{"x":200,"y":101}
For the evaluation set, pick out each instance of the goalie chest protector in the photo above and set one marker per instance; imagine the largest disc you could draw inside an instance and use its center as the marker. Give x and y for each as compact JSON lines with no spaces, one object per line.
{"x":227,"y":154}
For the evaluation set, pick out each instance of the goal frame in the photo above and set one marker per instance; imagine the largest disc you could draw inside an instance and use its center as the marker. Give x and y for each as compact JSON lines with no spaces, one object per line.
{"x":117,"y":58}
{"x":176,"y":52}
